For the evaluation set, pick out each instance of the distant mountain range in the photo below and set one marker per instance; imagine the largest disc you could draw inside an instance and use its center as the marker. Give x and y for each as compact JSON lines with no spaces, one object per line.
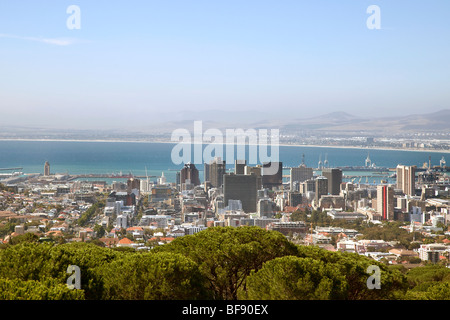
{"x":341,"y":121}
{"x":333,"y":124}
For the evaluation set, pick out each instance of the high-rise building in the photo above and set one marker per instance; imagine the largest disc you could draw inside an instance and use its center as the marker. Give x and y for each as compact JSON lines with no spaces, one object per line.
{"x":216,"y":169}
{"x":300,"y":174}
{"x":46,"y":168}
{"x":189,"y":172}
{"x":205,"y":172}
{"x":239,"y":166}
{"x":133,"y":183}
{"x":308,"y":186}
{"x":295,"y":199}
{"x":385,"y":202}
{"x":334,"y":177}
{"x":321,"y":184}
{"x":241,"y":187}
{"x":265,"y":208}
{"x":256,"y":171}
{"x":272,"y":180}
{"x":406,"y":176}
{"x":178,"y":179}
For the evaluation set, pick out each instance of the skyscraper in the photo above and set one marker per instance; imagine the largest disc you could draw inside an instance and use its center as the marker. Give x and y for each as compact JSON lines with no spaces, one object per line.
{"x":385,"y":202}
{"x":321,"y":184}
{"x":308,"y":186}
{"x":300,"y":174}
{"x":206,"y":172}
{"x":239,"y":166}
{"x":46,"y":168}
{"x":216,"y":170}
{"x":190,"y":172}
{"x":256,"y":171}
{"x":334,"y":177}
{"x":406,"y":176}
{"x":133,"y":183}
{"x":272,"y":180}
{"x":241,"y":187}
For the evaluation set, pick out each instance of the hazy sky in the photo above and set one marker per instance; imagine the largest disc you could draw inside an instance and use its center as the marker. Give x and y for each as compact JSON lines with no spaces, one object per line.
{"x":132,"y":60}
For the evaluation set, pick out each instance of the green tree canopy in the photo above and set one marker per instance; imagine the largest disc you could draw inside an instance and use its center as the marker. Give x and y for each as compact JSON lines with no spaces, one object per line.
{"x":153,"y":276}
{"x":354,"y":267}
{"x":37,"y":290}
{"x":227,"y":255}
{"x":294,"y":278}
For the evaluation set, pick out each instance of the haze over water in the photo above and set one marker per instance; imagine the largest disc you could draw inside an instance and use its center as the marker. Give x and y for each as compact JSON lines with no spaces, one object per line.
{"x":115,"y":157}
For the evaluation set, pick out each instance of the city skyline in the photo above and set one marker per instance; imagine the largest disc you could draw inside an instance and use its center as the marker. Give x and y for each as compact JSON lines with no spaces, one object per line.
{"x":144,"y":61}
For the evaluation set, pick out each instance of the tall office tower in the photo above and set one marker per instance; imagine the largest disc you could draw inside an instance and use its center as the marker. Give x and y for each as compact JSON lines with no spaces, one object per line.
{"x":406,"y":176}
{"x":270,"y":180}
{"x":321,"y":186}
{"x":189,"y":172}
{"x":334,"y":177}
{"x":295,"y":199}
{"x":46,"y":168}
{"x":216,"y":170}
{"x":256,"y":171}
{"x":239,"y":166}
{"x":178,"y":179}
{"x":133,"y":184}
{"x":385,"y":201}
{"x":205,"y":172}
{"x":300,"y":174}
{"x":308,"y":186}
{"x":241,"y":187}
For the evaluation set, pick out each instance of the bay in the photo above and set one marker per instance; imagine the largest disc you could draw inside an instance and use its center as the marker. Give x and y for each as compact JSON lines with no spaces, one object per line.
{"x":82,"y":157}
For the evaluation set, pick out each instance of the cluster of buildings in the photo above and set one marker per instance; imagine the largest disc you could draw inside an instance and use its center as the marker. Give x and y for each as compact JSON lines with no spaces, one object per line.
{"x":141,"y":213}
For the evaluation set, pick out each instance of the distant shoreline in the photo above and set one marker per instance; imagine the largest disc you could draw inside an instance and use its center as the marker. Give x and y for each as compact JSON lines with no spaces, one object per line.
{"x":172,"y":142}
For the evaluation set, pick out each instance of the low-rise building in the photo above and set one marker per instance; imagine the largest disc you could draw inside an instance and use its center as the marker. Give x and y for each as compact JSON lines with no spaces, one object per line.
{"x":348,"y":216}
{"x":432,"y":252}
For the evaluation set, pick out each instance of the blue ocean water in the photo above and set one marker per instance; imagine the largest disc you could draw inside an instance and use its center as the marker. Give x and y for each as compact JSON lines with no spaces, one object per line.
{"x":135,"y":157}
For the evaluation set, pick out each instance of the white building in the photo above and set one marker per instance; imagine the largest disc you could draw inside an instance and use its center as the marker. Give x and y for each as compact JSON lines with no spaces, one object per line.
{"x":190,"y":230}
{"x":122,"y":221}
{"x":431,"y":252}
{"x":348,"y":246}
{"x":435,"y":220}
{"x":162,"y":180}
{"x":161,"y":221}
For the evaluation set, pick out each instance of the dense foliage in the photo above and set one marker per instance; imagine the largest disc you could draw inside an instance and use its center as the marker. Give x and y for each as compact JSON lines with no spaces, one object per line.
{"x":217,"y":263}
{"x":227,"y":255}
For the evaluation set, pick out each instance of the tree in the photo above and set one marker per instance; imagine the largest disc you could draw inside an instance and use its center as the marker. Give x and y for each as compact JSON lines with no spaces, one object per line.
{"x":34,"y":290}
{"x":354,"y":267}
{"x":99,"y":230}
{"x":25,"y":261}
{"x":88,"y":257}
{"x":420,"y":278}
{"x":227,"y":255}
{"x":153,"y":276}
{"x":40,"y":262}
{"x":27,"y":237}
{"x":294,"y":278}
{"x":88,"y":214}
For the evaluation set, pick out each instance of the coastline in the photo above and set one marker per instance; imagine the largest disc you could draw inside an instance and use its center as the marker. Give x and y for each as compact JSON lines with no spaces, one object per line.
{"x":174,"y":142}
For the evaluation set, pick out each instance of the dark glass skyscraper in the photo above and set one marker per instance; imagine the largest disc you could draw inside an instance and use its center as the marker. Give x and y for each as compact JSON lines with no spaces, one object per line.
{"x":334,"y":177}
{"x":190,"y":172}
